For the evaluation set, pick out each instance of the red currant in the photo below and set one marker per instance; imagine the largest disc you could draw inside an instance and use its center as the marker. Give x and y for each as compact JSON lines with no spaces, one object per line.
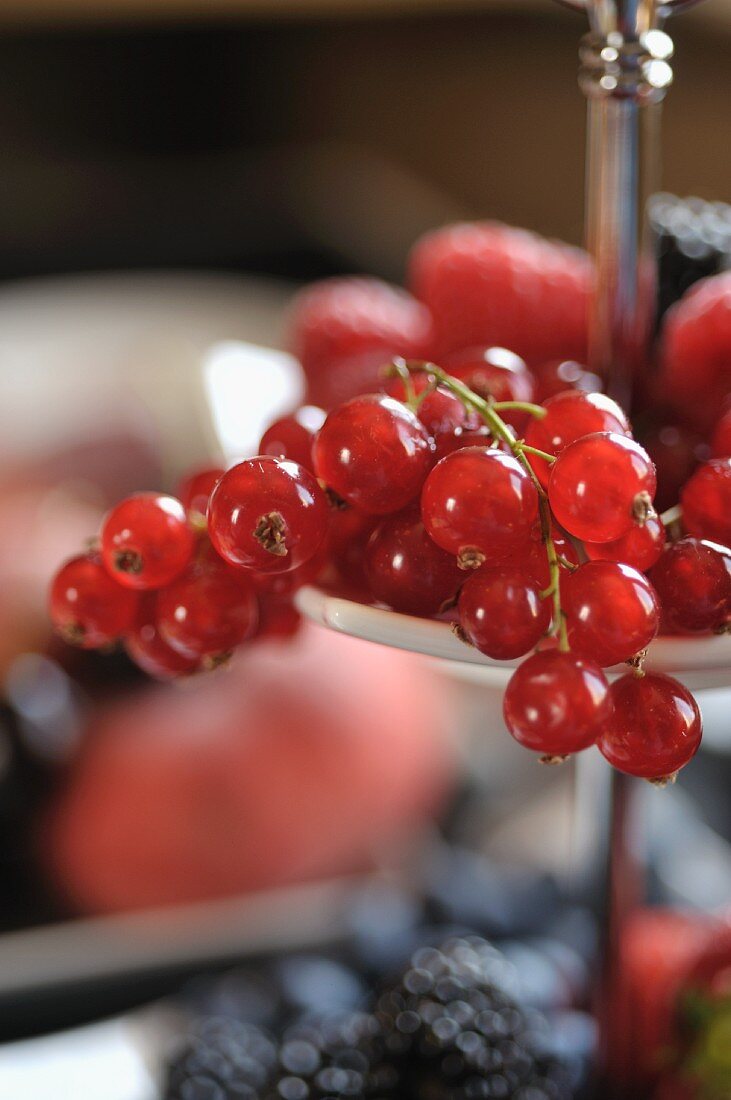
{"x":407,"y":570}
{"x":194,"y":492}
{"x":292,"y":436}
{"x":532,"y":558}
{"x":502,"y":613}
{"x":569,"y":416}
{"x":693,"y":580}
{"x":479,"y":504}
{"x":721,"y":439}
{"x":559,"y":375}
{"x":149,"y":650}
{"x":676,"y":450}
{"x":440,"y":411}
{"x":146,"y":540}
{"x":87,"y":607}
{"x":374,"y":453}
{"x":278,"y":619}
{"x":640,"y":547}
{"x":654,"y":728}
{"x":601,"y":485}
{"x":267,"y":514}
{"x":555,"y":703}
{"x":706,"y":501}
{"x":611,"y":611}
{"x":448,"y":442}
{"x":495,"y":373}
{"x":347,"y":539}
{"x":207,"y":612}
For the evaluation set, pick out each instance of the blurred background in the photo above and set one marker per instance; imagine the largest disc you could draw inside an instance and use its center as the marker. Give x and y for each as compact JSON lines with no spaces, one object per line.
{"x":170,"y":172}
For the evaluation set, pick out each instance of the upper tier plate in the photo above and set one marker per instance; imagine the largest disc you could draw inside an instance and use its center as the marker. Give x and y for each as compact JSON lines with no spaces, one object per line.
{"x":701,"y":662}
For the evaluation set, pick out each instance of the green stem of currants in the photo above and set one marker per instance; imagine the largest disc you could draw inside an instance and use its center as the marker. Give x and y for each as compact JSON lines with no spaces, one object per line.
{"x":489,"y":411}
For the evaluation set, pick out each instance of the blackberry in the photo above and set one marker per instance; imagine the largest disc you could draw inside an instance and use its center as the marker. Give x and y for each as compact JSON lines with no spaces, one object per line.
{"x":326,"y":1058}
{"x":221,"y":1059}
{"x":692,"y":240}
{"x":455,"y":1031}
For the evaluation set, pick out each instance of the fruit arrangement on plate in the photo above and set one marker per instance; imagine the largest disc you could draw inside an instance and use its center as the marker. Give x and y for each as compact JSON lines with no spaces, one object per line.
{"x":461,"y":463}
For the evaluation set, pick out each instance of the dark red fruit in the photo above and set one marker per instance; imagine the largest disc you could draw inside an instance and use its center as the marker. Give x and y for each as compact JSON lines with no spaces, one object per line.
{"x":640,"y":547}
{"x":149,"y":650}
{"x":696,"y":361}
{"x":654,"y":728}
{"x":706,"y":502}
{"x":146,"y":540}
{"x":344,"y":330}
{"x":721,"y":440}
{"x":555,"y":703}
{"x":601,"y":485}
{"x":292,"y":436}
{"x":207,"y":612}
{"x":488,"y":284}
{"x":569,"y":416}
{"x":693,"y":580}
{"x":194,"y":492}
{"x":502,"y":613}
{"x":479,"y":504}
{"x":87,"y":607}
{"x":611,"y":611}
{"x":374,"y":453}
{"x":407,"y":570}
{"x":267,"y":514}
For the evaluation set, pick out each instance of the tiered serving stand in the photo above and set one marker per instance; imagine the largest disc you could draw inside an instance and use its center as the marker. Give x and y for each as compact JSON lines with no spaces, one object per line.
{"x":625,"y":73}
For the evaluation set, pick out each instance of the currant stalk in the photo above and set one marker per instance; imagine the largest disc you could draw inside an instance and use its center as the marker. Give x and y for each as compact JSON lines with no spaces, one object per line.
{"x":490,"y":413}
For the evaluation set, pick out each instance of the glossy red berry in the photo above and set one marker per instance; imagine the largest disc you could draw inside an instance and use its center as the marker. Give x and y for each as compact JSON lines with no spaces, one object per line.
{"x":448,"y":442}
{"x":347,"y":539}
{"x":601,"y":485}
{"x":569,"y":416}
{"x":207,"y":612}
{"x":194,"y":492}
{"x":558,"y":375}
{"x":374,"y":453}
{"x":706,"y":502}
{"x":693,"y":581}
{"x":479,"y":504}
{"x":555,"y":703}
{"x":440,"y":411}
{"x":676,"y":450}
{"x":502,"y":614}
{"x":149,"y":650}
{"x":279,"y":620}
{"x":146,"y":540}
{"x":640,"y":547}
{"x":611,"y":611}
{"x":292,"y":436}
{"x":87,"y":607}
{"x":654,"y":727}
{"x":267,"y":514}
{"x":407,"y":570}
{"x":495,"y":373}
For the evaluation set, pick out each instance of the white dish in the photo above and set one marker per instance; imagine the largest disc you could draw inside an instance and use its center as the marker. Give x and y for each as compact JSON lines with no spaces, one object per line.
{"x":703,"y":662}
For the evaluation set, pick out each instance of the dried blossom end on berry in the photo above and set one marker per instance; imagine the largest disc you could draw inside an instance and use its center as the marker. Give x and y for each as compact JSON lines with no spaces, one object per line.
{"x":270,"y":534}
{"x":470,"y":558}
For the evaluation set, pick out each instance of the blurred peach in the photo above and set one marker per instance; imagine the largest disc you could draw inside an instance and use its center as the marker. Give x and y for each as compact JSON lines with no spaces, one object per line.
{"x":298,"y":761}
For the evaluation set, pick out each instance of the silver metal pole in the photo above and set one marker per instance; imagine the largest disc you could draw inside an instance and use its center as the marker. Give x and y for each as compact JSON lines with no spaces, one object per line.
{"x":625,"y":74}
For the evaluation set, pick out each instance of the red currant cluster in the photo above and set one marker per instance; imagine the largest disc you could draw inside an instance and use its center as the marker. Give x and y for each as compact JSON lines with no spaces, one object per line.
{"x":448,"y":493}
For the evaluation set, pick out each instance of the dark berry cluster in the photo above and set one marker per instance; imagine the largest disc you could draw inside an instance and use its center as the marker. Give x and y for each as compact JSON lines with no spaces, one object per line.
{"x":448,"y":1028}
